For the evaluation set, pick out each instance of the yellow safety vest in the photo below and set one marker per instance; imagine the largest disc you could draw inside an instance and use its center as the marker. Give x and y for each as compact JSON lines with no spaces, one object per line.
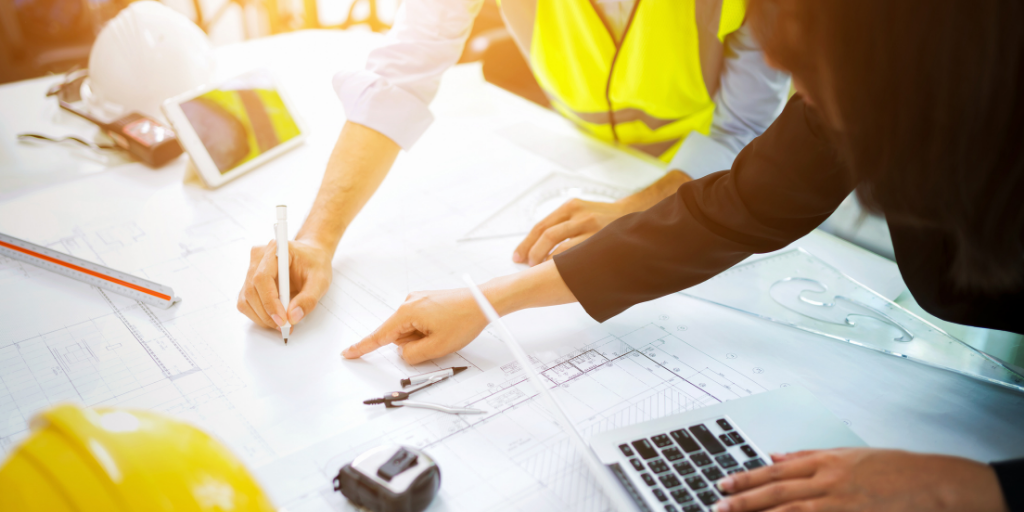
{"x":648,"y":92}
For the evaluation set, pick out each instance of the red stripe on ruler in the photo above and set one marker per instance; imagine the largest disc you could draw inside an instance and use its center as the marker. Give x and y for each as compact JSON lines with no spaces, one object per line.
{"x":84,"y":270}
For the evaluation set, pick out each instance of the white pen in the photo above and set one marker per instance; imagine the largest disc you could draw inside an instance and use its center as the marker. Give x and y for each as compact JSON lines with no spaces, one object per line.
{"x":283,"y":286}
{"x":432,"y":376}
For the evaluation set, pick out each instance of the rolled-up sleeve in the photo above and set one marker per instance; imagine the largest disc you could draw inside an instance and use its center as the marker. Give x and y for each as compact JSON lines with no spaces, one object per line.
{"x":751,"y":96}
{"x":393,"y":93}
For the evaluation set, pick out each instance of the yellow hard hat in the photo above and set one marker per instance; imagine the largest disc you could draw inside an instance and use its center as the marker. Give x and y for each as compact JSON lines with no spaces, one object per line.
{"x":123,"y":460}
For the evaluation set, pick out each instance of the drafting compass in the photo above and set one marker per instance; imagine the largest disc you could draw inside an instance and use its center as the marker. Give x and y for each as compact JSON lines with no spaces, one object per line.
{"x":401,"y":398}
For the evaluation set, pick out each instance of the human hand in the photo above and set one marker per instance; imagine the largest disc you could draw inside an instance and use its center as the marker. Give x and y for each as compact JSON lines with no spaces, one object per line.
{"x":569,"y":225}
{"x":577,"y":220}
{"x":310,"y":275}
{"x":863,"y":479}
{"x":426,"y":326}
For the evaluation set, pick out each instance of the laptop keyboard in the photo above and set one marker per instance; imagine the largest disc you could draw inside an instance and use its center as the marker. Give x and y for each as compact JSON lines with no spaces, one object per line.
{"x":679,"y":468}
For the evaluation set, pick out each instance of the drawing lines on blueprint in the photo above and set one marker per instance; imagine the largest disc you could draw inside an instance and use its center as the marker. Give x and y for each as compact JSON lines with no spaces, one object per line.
{"x":604,"y":381}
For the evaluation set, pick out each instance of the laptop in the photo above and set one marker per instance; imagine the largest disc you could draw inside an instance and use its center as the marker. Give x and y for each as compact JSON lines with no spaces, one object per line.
{"x":670,"y":464}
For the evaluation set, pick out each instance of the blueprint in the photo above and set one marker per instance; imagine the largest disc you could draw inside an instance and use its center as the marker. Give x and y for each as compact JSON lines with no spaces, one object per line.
{"x":203,"y":361}
{"x":294,"y":413}
{"x":644,"y":366}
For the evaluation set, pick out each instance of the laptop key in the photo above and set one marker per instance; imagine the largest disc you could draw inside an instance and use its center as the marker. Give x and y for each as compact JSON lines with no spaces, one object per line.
{"x":726,"y":461}
{"x":754,"y":463}
{"x":708,"y":439}
{"x":724,"y":424}
{"x":707,"y":497}
{"x":692,"y":508}
{"x":680,"y":495}
{"x":748,"y":451}
{"x":626,"y":450}
{"x":673,"y":454}
{"x":637,"y":465}
{"x":669,"y":481}
{"x":713,"y":473}
{"x":671,"y":508}
{"x":736,"y":437}
{"x":724,"y":438}
{"x":661,"y":440}
{"x":685,"y":440}
{"x":660,"y":494}
{"x":696,"y":483}
{"x":658,"y":466}
{"x":700,"y":459}
{"x":648,"y":479}
{"x":735,"y":470}
{"x":684,"y":468}
{"x":644,"y":448}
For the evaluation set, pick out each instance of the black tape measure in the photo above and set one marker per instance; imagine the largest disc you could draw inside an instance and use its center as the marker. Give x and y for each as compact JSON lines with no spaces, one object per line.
{"x":390,"y":479}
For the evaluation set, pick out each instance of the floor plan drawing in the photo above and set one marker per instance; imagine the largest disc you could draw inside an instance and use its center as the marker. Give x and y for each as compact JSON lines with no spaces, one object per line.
{"x":604,"y":380}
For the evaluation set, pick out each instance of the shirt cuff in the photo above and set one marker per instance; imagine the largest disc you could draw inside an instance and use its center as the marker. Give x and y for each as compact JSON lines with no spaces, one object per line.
{"x":370,"y":100}
{"x":700,"y":155}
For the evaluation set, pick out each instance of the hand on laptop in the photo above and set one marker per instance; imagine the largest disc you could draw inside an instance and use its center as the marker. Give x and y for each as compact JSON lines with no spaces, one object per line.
{"x":310,"y":269}
{"x":864,"y":479}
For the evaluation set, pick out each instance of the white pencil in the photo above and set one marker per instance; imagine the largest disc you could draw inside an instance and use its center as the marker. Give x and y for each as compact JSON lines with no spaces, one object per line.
{"x":283,"y":286}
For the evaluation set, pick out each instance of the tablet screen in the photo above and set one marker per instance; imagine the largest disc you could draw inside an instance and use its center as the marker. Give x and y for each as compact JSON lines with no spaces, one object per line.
{"x":240,"y":120}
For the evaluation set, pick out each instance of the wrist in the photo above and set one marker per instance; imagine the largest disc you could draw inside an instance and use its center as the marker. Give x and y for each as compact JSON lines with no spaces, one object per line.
{"x":654,"y":194}
{"x":535,"y":287}
{"x":325,"y":244}
{"x":504,"y":293}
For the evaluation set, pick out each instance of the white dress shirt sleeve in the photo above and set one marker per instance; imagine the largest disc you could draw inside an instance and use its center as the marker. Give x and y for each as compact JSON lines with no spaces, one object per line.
{"x":750,"y":97}
{"x":391,"y":95}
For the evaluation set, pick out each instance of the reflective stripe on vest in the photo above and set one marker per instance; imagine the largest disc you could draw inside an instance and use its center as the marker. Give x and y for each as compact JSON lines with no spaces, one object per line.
{"x":648,"y":93}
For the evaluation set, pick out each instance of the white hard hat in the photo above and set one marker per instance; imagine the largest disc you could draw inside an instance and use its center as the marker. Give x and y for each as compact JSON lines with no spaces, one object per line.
{"x":146,"y":54}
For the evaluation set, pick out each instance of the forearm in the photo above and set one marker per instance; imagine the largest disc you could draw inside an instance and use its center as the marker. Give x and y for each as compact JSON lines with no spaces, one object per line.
{"x":535,"y":287}
{"x":652,"y":195}
{"x":358,"y":164}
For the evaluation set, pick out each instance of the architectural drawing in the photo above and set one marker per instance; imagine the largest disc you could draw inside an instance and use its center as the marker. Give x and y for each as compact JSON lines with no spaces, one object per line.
{"x":516,"y":457}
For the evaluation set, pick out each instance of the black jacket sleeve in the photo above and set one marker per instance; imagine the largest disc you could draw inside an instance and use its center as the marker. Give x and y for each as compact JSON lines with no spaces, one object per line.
{"x":1011,"y":479}
{"x":781,"y":186}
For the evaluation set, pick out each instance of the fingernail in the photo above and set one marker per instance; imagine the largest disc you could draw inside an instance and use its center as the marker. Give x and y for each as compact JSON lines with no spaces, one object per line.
{"x":296,"y":315}
{"x":277,"y":320}
{"x":517,"y":258}
{"x":721,"y":506}
{"x":725,"y":484}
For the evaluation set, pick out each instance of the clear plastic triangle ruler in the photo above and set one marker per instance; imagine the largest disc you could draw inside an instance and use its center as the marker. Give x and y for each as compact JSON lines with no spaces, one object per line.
{"x":542,"y":198}
{"x":797,"y":289}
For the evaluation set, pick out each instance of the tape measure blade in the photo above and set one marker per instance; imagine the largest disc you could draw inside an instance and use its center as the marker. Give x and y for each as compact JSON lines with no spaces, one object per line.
{"x":88,"y":272}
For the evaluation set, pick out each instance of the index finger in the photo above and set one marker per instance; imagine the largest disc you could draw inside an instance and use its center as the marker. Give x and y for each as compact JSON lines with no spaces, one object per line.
{"x":560,"y":215}
{"x":387,"y":333}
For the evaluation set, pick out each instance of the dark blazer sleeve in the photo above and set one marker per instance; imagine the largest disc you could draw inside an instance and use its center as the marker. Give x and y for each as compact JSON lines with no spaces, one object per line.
{"x":781,"y":186}
{"x":1011,"y":479}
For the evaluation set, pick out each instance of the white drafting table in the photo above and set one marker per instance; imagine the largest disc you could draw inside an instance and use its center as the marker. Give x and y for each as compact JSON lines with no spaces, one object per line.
{"x":283,"y":408}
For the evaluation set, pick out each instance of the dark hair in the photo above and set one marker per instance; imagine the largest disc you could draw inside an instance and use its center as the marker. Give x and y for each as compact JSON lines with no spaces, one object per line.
{"x":928,"y":102}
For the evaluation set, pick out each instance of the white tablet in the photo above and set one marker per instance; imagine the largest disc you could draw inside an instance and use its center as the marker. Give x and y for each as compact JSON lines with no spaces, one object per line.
{"x":233,"y":127}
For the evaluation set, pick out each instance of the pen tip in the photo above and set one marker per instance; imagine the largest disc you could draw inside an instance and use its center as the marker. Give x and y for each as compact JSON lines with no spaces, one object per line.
{"x":457,"y":369}
{"x":286,"y":341}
